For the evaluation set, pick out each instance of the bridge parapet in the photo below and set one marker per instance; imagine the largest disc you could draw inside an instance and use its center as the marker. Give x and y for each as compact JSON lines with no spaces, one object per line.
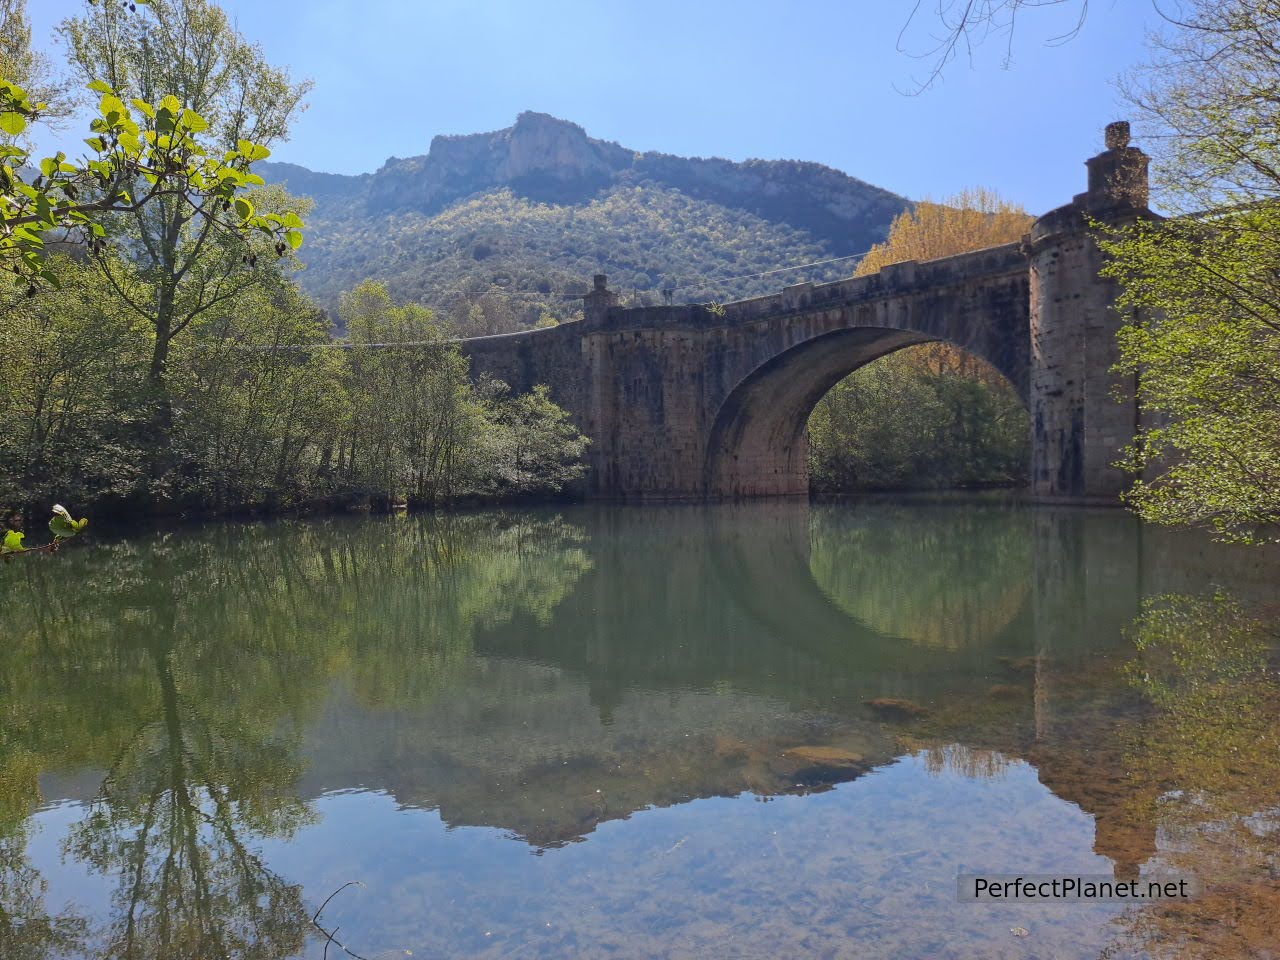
{"x":893,"y":280}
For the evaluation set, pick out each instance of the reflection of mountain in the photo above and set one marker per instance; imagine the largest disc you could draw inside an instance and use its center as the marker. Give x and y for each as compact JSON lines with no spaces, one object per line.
{"x":522,"y":747}
{"x":543,"y":674}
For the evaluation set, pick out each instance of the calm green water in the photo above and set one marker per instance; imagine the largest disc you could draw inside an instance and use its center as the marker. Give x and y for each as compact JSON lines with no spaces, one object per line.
{"x":637,"y":732}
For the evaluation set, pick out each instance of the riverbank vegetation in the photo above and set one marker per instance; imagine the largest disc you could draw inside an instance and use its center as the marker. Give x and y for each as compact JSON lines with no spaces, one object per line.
{"x":164,"y":359}
{"x":260,"y":409}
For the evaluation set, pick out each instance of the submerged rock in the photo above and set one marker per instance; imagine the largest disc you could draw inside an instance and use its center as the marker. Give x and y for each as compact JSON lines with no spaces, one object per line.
{"x":892,"y":708}
{"x":828,"y":755}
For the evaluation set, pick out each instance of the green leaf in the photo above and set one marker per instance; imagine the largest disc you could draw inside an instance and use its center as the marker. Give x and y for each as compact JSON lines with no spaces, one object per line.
{"x":12,"y":123}
{"x":194,"y":122}
{"x":252,"y":151}
{"x":101,"y":86}
{"x":63,"y":525}
{"x":12,"y":542}
{"x":244,"y":209}
{"x":295,"y":238}
{"x":172,"y":104}
{"x":112,"y":108}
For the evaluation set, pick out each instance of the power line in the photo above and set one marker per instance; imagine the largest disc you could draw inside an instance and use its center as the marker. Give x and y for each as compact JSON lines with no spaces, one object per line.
{"x":695,"y":282}
{"x":766,"y":273}
{"x":348,"y":345}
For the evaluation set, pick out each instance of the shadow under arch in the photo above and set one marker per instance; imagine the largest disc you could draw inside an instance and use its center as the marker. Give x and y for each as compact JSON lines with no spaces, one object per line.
{"x":758,"y":444}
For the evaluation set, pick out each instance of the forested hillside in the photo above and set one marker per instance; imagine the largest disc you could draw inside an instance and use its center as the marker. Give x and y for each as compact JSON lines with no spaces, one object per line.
{"x":500,"y":229}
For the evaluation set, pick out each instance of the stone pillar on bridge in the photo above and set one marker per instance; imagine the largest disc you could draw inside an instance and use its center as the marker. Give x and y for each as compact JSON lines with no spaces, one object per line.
{"x":1082,"y":414}
{"x":597,"y":303}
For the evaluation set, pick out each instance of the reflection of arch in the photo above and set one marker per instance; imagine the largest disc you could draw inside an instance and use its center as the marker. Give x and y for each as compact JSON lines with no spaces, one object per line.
{"x":758,"y":445}
{"x":763,"y":559}
{"x":931,"y":574}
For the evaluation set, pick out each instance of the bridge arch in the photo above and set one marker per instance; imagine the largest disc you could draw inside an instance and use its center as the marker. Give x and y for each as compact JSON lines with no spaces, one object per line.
{"x":758,"y":445}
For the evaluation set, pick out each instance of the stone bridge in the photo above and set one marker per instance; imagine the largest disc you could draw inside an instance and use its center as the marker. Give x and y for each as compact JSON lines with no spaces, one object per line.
{"x":711,"y":402}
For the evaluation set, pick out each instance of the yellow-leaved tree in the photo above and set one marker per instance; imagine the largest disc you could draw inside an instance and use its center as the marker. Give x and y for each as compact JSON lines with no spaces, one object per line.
{"x":930,"y":415}
{"x":970,"y":220}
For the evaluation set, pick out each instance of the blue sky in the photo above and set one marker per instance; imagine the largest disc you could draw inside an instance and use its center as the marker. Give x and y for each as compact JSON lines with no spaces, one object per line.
{"x":804,"y":80}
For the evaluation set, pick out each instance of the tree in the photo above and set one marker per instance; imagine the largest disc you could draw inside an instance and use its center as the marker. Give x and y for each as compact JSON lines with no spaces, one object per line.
{"x":1204,"y":287}
{"x":259,"y":402}
{"x":538,"y":449}
{"x":412,"y":413}
{"x":969,"y":220}
{"x":25,"y":67}
{"x":967,"y":24}
{"x":132,"y":168}
{"x":187,"y":58}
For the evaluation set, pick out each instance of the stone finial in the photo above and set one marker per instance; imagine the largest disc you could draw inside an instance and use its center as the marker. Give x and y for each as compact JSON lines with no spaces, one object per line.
{"x":1116,"y":136}
{"x":1118,"y":175}
{"x":597,"y":303}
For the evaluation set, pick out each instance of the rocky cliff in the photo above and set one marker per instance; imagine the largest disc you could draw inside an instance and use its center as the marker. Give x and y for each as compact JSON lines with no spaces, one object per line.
{"x":544,"y":192}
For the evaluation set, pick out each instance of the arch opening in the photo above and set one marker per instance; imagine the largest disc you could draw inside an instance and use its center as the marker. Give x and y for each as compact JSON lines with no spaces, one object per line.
{"x":759,"y":443}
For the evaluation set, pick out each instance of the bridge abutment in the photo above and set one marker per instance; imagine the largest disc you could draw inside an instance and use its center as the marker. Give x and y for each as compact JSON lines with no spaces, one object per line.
{"x":1083,"y":413}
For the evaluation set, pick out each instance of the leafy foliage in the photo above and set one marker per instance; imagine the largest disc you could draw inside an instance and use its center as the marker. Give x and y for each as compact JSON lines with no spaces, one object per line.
{"x":970,"y":220}
{"x":904,"y":422}
{"x":518,"y":260}
{"x":130,"y":166}
{"x":423,"y":432}
{"x":1204,"y":289}
{"x":177,"y":244}
{"x":266,"y":411}
{"x":1205,"y":344}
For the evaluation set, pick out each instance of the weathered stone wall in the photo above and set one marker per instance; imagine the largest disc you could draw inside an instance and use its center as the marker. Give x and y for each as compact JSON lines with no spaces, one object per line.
{"x":551,"y":356}
{"x":1083,"y":413}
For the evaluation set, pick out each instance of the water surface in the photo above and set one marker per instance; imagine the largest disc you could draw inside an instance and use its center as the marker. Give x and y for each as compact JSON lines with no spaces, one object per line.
{"x":758,"y":731}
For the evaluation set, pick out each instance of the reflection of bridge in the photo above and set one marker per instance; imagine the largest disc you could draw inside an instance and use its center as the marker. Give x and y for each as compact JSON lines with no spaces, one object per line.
{"x":718,"y":649}
{"x":694,"y":401}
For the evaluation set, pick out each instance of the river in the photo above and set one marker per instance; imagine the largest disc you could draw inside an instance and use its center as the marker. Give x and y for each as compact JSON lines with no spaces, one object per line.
{"x":773,"y":730}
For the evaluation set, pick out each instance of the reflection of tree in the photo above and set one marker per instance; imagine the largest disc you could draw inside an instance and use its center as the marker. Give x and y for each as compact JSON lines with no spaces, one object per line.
{"x":1211,"y":750}
{"x":185,"y":667}
{"x":435,"y":584}
{"x":170,"y":825}
{"x":941,"y":577}
{"x":27,"y":930}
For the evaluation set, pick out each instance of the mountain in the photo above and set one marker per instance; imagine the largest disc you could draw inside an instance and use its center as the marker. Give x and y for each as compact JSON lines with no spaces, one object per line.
{"x":499,"y":229}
